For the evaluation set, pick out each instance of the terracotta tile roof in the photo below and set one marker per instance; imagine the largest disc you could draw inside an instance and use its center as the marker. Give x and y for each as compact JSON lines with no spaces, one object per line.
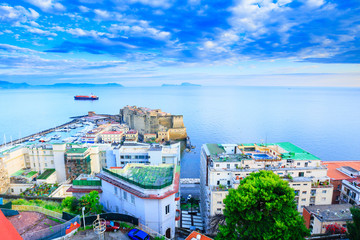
{"x":7,"y":230}
{"x":83,"y":190}
{"x":337,"y":175}
{"x":194,"y":234}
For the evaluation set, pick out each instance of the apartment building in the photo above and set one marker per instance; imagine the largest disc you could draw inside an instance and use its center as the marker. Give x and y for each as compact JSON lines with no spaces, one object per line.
{"x":223,"y":166}
{"x":350,"y":191}
{"x":112,"y":136}
{"x":318,"y":217}
{"x":147,"y":192}
{"x":133,"y":152}
{"x":339,"y":171}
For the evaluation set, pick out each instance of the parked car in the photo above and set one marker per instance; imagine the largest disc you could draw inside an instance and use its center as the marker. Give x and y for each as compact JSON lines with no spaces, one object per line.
{"x":112,"y":226}
{"x":137,"y":234}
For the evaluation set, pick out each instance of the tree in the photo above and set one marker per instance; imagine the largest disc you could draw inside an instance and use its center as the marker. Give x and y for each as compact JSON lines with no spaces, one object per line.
{"x":91,"y":202}
{"x":71,"y":203}
{"x":216,"y":221}
{"x":262,"y":207}
{"x":354,"y":227}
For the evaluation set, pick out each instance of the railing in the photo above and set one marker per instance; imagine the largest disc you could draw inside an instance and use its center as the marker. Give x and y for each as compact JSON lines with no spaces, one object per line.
{"x":136,"y":183}
{"x":31,"y":208}
{"x":152,"y":232}
{"x":221,"y":188}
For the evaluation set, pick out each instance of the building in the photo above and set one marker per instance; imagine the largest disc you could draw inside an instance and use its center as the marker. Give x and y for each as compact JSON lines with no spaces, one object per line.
{"x":318,"y":217}
{"x":339,"y":171}
{"x":112,"y":136}
{"x":149,"y":193}
{"x":145,"y":120}
{"x":77,"y":161}
{"x":223,"y":166}
{"x":84,"y":184}
{"x":197,"y":236}
{"x":133,"y":152}
{"x":149,"y":137}
{"x":350,"y":191}
{"x":131,"y":135}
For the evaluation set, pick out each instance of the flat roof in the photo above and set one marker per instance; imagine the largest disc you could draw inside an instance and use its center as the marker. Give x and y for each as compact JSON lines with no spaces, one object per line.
{"x":113,"y":132}
{"x":215,"y":149}
{"x":336,"y":174}
{"x":294,"y":152}
{"x":350,"y":169}
{"x":147,"y":175}
{"x":46,"y":174}
{"x":76,"y":150}
{"x":333,"y":212}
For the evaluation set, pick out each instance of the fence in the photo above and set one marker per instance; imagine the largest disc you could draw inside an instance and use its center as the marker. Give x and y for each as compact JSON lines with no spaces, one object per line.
{"x":37,"y":209}
{"x":151,"y":231}
{"x":6,"y":196}
{"x":53,"y":232}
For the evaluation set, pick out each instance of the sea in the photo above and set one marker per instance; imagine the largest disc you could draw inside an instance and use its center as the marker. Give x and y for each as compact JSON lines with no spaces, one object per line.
{"x":322,"y":121}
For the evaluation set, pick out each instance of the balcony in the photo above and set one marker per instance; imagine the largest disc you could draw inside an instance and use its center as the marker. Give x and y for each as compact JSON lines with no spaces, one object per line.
{"x":221,"y":188}
{"x":177,"y":215}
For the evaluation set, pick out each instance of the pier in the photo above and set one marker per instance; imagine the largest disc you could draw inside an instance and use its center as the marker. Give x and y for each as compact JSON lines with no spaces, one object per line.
{"x":24,"y":139}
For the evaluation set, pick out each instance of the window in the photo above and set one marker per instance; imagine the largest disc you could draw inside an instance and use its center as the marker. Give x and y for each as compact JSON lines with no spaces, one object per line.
{"x":218,"y":182}
{"x":52,"y":161}
{"x":297,"y":192}
{"x":298,"y":164}
{"x":167,"y":209}
{"x":323,"y":199}
{"x":227,"y":165}
{"x":12,"y":190}
{"x":163,"y":160}
{"x":301,"y":174}
{"x":339,"y":187}
{"x":45,"y":164}
{"x":323,"y":191}
{"x":219,"y":202}
{"x":218,"y":209}
{"x":218,"y":174}
{"x":305,"y":184}
{"x":115,"y":190}
{"x":125,"y":195}
{"x":304,"y":192}
{"x":236,"y":166}
{"x":303,"y":199}
{"x":20,"y":189}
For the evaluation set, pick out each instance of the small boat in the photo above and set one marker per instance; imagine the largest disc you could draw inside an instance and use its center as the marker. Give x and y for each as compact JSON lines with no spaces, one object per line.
{"x":56,"y":136}
{"x":82,"y":97}
{"x":37,"y":137}
{"x":44,"y":139}
{"x":32,"y":139}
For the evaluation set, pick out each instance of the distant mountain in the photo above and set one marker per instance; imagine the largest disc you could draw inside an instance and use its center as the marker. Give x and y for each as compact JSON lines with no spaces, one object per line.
{"x":9,"y":85}
{"x":184,"y":84}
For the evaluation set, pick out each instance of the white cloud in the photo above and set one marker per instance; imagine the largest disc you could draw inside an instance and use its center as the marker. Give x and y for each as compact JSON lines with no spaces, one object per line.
{"x":140,"y":31}
{"x":41,"y":32}
{"x":154,"y":3}
{"x":78,"y":32}
{"x":314,"y":3}
{"x":17,"y":14}
{"x":12,"y":48}
{"x":84,"y":9}
{"x":47,"y":5}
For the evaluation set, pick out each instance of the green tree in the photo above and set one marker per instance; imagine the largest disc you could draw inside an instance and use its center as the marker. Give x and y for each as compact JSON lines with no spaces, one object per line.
{"x":262,"y":207}
{"x":354,"y":227}
{"x":91,"y":202}
{"x":72,"y":203}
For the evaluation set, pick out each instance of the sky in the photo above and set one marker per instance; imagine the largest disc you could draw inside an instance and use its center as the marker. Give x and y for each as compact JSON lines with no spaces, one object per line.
{"x":150,"y":42}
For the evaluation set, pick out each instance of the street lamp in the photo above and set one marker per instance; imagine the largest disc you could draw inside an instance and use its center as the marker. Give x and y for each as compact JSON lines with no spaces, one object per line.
{"x":83,"y":209}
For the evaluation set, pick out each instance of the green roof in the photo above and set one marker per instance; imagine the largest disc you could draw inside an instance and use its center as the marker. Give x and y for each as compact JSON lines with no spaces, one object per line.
{"x":18,"y":173}
{"x":46,"y":174}
{"x":30,"y":174}
{"x":294,"y":152}
{"x":76,"y":150}
{"x":215,"y":149}
{"x":152,"y":177}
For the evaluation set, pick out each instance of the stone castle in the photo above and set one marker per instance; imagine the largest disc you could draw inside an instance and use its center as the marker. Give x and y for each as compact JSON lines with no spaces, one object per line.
{"x":154,"y":121}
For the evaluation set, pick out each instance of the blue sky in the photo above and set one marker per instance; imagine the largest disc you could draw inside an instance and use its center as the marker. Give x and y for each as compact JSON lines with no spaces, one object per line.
{"x":150,"y":42}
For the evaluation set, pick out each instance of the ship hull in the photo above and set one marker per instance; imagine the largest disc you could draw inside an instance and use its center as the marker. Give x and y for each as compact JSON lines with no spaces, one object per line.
{"x":86,"y":98}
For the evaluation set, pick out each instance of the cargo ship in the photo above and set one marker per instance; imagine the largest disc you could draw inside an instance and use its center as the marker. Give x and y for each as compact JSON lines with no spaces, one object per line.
{"x":91,"y":97}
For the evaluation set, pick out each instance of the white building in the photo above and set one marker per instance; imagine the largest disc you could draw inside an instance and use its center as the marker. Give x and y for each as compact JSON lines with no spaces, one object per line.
{"x":223,"y":166}
{"x":149,"y":193}
{"x":350,"y":191}
{"x":133,"y":152}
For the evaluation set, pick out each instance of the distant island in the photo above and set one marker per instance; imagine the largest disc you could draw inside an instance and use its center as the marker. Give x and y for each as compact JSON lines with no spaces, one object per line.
{"x":10,"y":85}
{"x":184,"y":84}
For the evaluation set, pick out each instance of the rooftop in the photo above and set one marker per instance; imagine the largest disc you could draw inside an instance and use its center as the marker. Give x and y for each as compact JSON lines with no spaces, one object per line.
{"x":76,"y":150}
{"x":46,"y":174}
{"x":336,"y":174}
{"x":24,"y":173}
{"x":197,"y":236}
{"x":294,"y":152}
{"x":333,"y":212}
{"x":145,"y":176}
{"x":113,"y":132}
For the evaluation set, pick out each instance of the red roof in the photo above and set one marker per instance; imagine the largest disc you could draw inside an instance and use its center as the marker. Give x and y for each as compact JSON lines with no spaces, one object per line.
{"x":7,"y":230}
{"x":83,"y":190}
{"x":335,"y":174}
{"x":195,"y":234}
{"x":113,"y":132}
{"x":131,"y":132}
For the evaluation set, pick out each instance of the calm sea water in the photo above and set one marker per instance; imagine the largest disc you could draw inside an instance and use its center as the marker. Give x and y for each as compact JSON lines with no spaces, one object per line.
{"x":322,"y":121}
